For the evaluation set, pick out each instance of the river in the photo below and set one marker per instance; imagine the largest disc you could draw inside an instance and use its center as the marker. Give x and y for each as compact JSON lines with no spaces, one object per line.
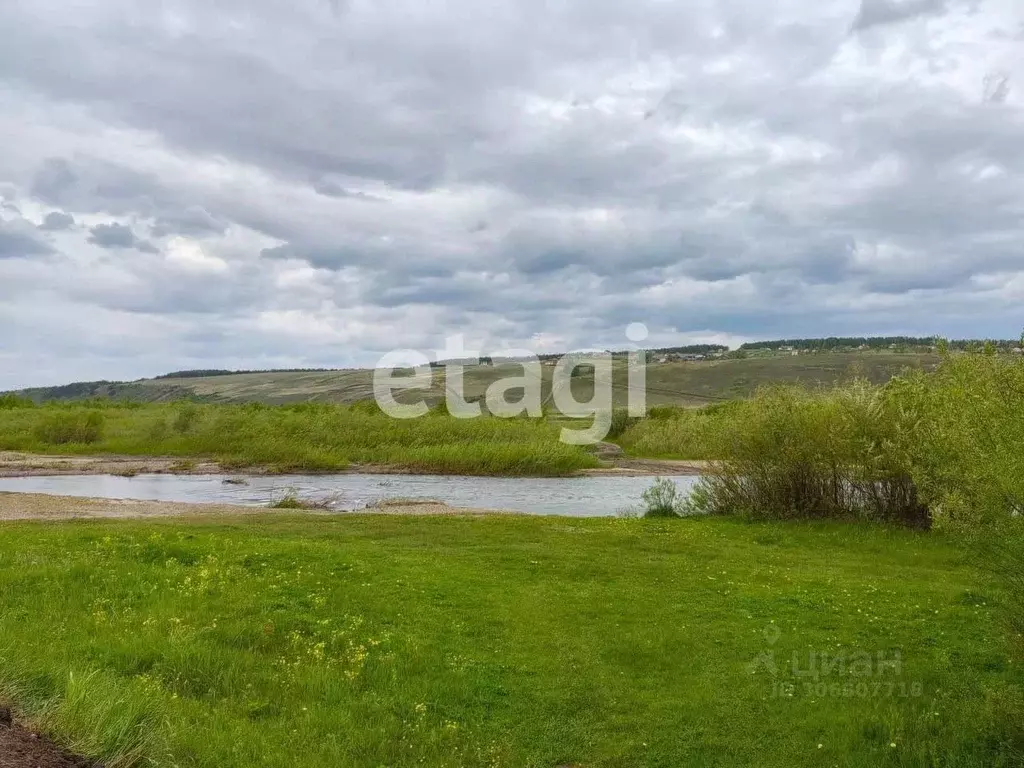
{"x":600,"y":496}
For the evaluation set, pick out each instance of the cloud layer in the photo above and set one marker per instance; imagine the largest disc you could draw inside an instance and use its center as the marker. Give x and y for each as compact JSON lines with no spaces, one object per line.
{"x":274,"y":183}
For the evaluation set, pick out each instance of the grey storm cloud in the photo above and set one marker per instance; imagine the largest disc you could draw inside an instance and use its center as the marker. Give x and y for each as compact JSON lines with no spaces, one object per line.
{"x":57,"y":221}
{"x":193,"y":221}
{"x":331,"y":188}
{"x":332,"y":177}
{"x":18,"y":239}
{"x":118,"y":236}
{"x":53,"y":179}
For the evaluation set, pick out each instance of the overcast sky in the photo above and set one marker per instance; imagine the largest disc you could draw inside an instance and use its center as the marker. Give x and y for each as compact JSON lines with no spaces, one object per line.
{"x":278,"y":183}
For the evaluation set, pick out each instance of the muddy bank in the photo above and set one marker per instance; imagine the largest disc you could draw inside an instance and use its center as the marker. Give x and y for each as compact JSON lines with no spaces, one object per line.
{"x":14,"y":464}
{"x":22,"y":747}
{"x":34,"y":506}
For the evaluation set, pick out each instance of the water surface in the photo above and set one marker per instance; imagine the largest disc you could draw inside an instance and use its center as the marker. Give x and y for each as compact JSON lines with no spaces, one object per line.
{"x":572,"y":496}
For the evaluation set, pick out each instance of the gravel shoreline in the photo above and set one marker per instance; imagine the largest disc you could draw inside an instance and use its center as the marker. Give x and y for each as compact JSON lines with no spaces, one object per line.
{"x":15,"y":464}
{"x":38,"y":506}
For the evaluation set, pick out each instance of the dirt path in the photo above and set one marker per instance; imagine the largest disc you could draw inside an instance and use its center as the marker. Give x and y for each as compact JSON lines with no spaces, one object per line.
{"x":37,"y":506}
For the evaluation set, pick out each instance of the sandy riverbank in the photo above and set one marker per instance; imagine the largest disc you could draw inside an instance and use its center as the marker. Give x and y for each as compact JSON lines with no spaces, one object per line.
{"x":13,"y":464}
{"x":35,"y":506}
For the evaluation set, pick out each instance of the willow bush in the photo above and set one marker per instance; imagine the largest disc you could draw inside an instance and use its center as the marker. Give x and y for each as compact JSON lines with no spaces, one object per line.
{"x":791,"y":453}
{"x":943,"y":448}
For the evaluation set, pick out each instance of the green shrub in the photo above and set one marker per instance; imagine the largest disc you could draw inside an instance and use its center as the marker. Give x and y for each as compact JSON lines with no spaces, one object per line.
{"x":63,"y":427}
{"x":663,"y":499}
{"x":795,"y":454}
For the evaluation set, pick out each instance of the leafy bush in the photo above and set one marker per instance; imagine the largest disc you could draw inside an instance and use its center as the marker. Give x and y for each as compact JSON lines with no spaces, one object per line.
{"x":812,"y":455}
{"x":663,"y":499}
{"x":63,"y":427}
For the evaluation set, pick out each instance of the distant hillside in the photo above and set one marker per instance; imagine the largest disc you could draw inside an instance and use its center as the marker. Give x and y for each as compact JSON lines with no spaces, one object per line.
{"x":675,"y":381}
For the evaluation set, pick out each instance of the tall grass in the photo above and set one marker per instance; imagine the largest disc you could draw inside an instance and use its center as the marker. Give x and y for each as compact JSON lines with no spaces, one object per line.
{"x":93,"y":711}
{"x":68,"y":427}
{"x":682,"y":433}
{"x":298,"y":437}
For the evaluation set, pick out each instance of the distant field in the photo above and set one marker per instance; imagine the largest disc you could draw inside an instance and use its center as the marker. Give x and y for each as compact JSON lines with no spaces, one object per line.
{"x":674,"y":383}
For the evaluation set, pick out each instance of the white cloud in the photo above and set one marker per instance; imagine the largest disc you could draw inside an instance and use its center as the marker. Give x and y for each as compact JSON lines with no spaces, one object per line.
{"x":289,"y":184}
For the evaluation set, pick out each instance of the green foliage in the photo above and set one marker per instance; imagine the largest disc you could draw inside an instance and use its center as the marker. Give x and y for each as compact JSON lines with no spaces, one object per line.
{"x":292,"y":500}
{"x":370,"y":407}
{"x":690,"y":349}
{"x":962,"y":436}
{"x":186,"y":418}
{"x":66,"y":427}
{"x":93,"y":711}
{"x":620,"y":422}
{"x":663,"y":499}
{"x":663,"y":412}
{"x":790,"y":453}
{"x":309,"y":437}
{"x":880,"y":343}
{"x":671,"y":432}
{"x":10,"y":401}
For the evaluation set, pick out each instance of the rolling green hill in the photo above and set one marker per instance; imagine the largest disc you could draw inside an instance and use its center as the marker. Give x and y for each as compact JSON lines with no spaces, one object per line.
{"x":671,"y":383}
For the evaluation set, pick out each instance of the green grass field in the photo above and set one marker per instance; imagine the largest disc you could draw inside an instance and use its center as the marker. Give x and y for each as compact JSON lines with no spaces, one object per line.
{"x":502,"y":641}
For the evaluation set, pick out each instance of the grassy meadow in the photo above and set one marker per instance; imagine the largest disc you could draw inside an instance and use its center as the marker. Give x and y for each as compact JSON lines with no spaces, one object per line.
{"x":505,"y":641}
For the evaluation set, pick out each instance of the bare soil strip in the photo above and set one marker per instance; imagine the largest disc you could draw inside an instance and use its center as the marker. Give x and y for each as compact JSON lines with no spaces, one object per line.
{"x":14,"y":464}
{"x":21,"y":747}
{"x":37,"y":506}
{"x":651,"y":467}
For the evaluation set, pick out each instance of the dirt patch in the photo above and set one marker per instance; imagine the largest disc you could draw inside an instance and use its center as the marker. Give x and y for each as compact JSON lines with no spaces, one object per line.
{"x":37,"y":506}
{"x":14,"y":464}
{"x":29,"y":464}
{"x":22,"y":747}
{"x":651,"y":467}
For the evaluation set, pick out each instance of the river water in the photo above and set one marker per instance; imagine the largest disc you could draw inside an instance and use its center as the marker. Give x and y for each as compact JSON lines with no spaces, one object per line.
{"x":600,"y":496}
